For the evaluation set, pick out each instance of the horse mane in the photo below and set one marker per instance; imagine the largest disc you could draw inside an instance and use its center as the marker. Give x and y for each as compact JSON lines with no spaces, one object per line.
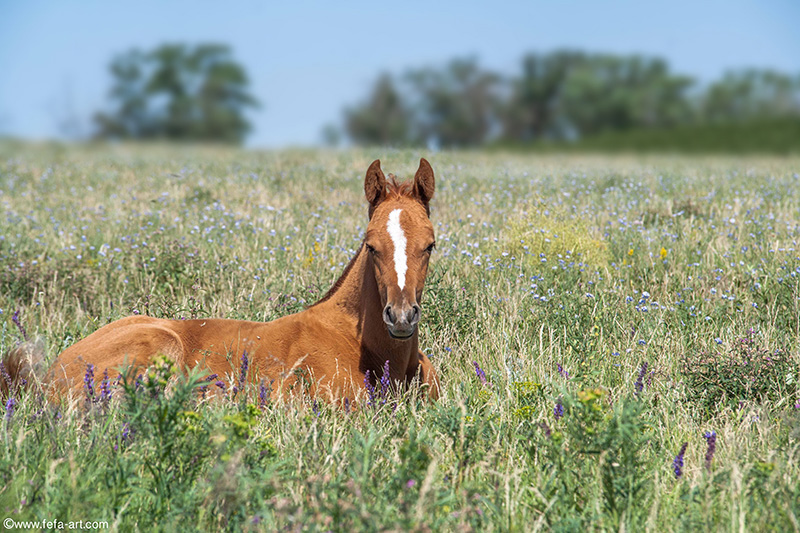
{"x":338,"y":283}
{"x":394,"y":189}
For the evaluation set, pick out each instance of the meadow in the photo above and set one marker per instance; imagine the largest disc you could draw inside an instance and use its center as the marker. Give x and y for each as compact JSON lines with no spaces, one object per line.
{"x":616,"y":338}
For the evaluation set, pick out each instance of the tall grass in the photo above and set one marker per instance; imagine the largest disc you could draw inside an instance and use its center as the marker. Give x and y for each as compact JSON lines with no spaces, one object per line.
{"x":587,"y":316}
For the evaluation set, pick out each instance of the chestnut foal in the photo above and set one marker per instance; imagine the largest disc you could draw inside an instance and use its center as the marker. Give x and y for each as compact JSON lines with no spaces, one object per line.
{"x":367,"y":318}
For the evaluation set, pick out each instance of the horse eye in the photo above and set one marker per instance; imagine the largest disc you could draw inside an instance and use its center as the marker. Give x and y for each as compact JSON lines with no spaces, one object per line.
{"x":430,"y":248}
{"x":370,"y":249}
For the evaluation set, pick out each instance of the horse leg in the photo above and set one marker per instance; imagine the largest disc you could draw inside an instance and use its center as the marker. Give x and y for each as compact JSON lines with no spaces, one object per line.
{"x":428,"y":376}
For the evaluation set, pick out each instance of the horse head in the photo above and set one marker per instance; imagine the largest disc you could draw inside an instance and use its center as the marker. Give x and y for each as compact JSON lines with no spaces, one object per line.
{"x":400,"y":240}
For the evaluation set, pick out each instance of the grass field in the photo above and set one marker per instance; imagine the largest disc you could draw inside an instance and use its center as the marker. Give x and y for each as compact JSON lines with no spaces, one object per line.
{"x":588,"y":316}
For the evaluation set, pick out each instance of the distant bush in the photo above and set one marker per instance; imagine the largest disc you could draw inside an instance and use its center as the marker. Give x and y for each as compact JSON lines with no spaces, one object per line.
{"x":745,"y":371}
{"x":772,"y":136}
{"x":547,"y":234}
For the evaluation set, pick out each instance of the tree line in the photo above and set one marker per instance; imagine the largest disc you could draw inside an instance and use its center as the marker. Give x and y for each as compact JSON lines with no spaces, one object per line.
{"x":201,"y":93}
{"x":558,"y":97}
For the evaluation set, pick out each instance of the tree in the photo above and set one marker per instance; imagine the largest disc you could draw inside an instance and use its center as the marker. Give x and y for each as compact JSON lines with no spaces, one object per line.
{"x":179,"y":93}
{"x":382,"y":119}
{"x":533,"y":110}
{"x":457,"y":105}
{"x":613,"y":93}
{"x":751,"y":94}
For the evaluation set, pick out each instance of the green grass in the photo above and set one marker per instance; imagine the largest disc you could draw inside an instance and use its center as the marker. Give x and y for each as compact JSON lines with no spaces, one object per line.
{"x":559,"y":276}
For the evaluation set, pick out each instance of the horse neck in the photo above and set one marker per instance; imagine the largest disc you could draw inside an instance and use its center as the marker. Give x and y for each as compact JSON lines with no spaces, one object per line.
{"x":359,"y":298}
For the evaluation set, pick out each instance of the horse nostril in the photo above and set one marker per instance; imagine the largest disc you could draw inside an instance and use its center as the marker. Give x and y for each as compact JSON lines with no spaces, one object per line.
{"x":388,"y":316}
{"x":413,"y":314}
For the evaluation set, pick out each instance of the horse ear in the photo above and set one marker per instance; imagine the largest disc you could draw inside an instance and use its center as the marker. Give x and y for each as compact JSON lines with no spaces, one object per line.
{"x":374,"y":185}
{"x":424,"y":183}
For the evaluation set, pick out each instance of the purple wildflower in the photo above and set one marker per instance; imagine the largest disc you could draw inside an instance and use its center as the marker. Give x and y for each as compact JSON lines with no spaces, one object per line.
{"x":17,"y":322}
{"x":347,"y":406}
{"x":561,"y":371}
{"x":105,"y":387}
{"x":263,"y":393}
{"x":385,"y":382}
{"x":242,"y":372}
{"x":315,"y":408}
{"x":410,"y":483}
{"x":88,"y":383}
{"x":370,"y":388}
{"x":558,"y":410}
{"x":138,"y":383}
{"x":639,"y":384}
{"x":479,"y":371}
{"x":677,"y":463}
{"x":711,"y":439}
{"x":10,"y":404}
{"x":127,"y":432}
{"x":6,"y":376}
{"x":204,"y":388}
{"x":220,"y":384}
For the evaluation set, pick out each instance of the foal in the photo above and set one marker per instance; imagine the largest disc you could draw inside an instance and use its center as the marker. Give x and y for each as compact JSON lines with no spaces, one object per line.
{"x":367,"y":318}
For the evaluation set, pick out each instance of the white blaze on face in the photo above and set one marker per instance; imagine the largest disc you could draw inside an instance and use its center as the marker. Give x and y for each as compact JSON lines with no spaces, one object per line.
{"x":399,"y":241}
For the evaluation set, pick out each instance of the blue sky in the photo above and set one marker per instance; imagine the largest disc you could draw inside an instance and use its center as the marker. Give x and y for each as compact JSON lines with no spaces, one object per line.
{"x":308,"y":59}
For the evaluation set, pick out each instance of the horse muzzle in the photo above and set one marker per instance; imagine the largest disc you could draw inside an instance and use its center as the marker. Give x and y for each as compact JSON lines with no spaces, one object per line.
{"x":401,"y":321}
